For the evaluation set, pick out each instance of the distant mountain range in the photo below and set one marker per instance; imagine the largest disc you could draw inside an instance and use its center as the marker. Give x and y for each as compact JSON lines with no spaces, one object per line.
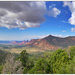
{"x":19,"y":42}
{"x":48,"y":43}
{"x":4,"y":42}
{"x":14,"y":42}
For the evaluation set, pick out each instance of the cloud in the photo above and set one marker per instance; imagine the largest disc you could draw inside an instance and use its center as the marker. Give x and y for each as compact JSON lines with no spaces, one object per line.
{"x":60,"y":35}
{"x":24,"y":14}
{"x":64,"y":21}
{"x":64,"y":31}
{"x":71,"y":6}
{"x":72,"y":29}
{"x":54,"y":12}
{"x":35,"y":37}
{"x":53,"y":5}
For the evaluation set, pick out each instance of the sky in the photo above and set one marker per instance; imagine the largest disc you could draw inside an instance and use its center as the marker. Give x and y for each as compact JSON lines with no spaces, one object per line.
{"x":36,"y":19}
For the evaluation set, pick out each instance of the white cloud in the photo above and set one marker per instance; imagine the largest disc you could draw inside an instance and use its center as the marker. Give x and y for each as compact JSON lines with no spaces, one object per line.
{"x":35,"y":37}
{"x":72,"y":29}
{"x":71,"y":6}
{"x":54,"y":12}
{"x":72,"y":18}
{"x":24,"y":14}
{"x":60,"y":35}
{"x":51,"y":6}
{"x":64,"y":21}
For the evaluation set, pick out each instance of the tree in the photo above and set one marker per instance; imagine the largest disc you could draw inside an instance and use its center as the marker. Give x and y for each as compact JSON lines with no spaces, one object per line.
{"x":24,"y":57}
{"x":70,"y":68}
{"x":12,"y":66}
{"x":29,"y":65}
{"x":58,"y":59}
{"x":72,"y":51}
{"x":41,"y":67}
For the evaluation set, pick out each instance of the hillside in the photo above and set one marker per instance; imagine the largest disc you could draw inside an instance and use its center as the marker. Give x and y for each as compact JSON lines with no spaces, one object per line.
{"x":61,"y":42}
{"x":41,"y":43}
{"x":52,"y":42}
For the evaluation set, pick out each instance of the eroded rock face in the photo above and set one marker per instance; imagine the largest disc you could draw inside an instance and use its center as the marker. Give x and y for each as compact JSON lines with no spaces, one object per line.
{"x":42,"y":44}
{"x":31,"y":42}
{"x":19,"y":42}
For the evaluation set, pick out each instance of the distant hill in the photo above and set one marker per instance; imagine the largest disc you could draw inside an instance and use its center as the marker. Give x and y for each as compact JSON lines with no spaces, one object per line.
{"x":52,"y":42}
{"x":19,"y":42}
{"x":14,"y":42}
{"x":4,"y":42}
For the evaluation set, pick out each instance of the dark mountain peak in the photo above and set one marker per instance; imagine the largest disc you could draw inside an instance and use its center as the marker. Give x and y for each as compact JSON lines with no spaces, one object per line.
{"x":52,"y":37}
{"x":49,"y":36}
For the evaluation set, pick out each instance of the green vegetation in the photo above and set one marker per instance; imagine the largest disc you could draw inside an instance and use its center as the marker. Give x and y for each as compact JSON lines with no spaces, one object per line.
{"x":3,"y":55}
{"x":49,"y":62}
{"x":1,"y":67}
{"x":40,"y":67}
{"x":23,"y":57}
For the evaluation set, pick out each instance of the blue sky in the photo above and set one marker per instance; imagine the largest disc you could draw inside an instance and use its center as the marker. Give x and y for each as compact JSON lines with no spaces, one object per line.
{"x":56,"y":18}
